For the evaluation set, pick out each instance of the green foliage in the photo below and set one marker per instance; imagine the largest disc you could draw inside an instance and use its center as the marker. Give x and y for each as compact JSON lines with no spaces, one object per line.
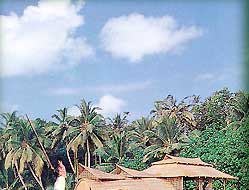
{"x":215,"y":110}
{"x":136,"y":162}
{"x":216,"y":130}
{"x":85,"y":133}
{"x":70,"y":182}
{"x":165,"y":138}
{"x":115,"y":148}
{"x":105,"y":167}
{"x":244,"y":170}
{"x":224,"y":150}
{"x":181,"y":111}
{"x":119,"y":121}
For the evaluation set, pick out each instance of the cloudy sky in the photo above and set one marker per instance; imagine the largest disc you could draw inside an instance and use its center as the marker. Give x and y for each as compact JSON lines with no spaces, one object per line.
{"x":120,"y":55}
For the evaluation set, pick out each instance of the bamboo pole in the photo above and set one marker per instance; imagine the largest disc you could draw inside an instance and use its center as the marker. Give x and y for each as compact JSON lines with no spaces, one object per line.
{"x":181,"y":183}
{"x":200,"y":181}
{"x":43,"y":149}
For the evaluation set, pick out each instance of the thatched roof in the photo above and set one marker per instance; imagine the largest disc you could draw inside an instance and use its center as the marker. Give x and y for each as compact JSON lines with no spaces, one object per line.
{"x":128,"y":184}
{"x":165,"y":174}
{"x":168,"y":159}
{"x":90,"y":173}
{"x":120,"y":170}
{"x":172,"y":166}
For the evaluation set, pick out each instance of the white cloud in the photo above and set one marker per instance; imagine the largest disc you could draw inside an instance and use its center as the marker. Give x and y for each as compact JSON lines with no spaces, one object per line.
{"x":135,"y":36}
{"x":42,"y":38}
{"x":110,"y":105}
{"x":73,"y":111}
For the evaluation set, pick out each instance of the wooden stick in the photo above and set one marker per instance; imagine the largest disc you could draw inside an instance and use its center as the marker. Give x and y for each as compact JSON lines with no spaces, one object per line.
{"x":200,"y":184}
{"x":43,"y":149}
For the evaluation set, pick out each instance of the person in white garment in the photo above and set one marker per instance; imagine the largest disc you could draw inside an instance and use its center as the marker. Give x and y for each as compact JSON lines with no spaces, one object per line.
{"x":60,"y":182}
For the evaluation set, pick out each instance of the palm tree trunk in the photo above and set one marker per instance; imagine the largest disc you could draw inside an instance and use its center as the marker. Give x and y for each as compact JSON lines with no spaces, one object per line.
{"x":85,"y":159}
{"x":15,"y":174}
{"x":95,"y":159}
{"x":100,"y":161}
{"x":76,"y":165}
{"x":69,"y":159}
{"x":74,"y":157}
{"x":36,"y":178}
{"x":88,"y":154}
{"x":20,"y":177}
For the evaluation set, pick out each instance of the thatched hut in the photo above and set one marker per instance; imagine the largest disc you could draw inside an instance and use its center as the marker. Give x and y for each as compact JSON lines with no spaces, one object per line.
{"x":187,"y":168}
{"x":92,"y":179}
{"x":168,"y":173}
{"x":172,"y":166}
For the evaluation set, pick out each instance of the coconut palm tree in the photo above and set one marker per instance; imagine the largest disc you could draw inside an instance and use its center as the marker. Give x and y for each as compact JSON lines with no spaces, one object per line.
{"x":22,"y":152}
{"x":58,"y":131}
{"x":119,"y":121}
{"x":86,"y":131}
{"x":181,"y":111}
{"x":6,"y":120}
{"x":165,"y":138}
{"x":139,"y":134}
{"x":115,"y":149}
{"x":9,"y":119}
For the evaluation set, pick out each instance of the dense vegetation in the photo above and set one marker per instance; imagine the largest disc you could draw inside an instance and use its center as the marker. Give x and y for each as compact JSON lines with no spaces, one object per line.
{"x":215,"y":129}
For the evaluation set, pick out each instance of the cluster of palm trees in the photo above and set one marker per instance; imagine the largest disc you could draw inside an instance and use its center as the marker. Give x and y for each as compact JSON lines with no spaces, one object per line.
{"x":90,"y":139}
{"x":20,"y":151}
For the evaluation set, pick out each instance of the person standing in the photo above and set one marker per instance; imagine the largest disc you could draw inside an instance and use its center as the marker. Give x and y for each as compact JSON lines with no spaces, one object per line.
{"x":60,"y":182}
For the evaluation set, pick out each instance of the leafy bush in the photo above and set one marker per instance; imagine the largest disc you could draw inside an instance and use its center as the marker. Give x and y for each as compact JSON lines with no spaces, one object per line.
{"x":225,"y":150}
{"x":136,"y":162}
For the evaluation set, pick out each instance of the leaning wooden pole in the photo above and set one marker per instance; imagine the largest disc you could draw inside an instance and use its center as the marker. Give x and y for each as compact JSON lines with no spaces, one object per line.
{"x":43,"y":149}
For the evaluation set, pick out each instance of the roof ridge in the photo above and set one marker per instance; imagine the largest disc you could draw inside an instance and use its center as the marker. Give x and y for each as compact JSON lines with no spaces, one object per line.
{"x":99,"y":172}
{"x":168,"y":159}
{"x":133,"y":172}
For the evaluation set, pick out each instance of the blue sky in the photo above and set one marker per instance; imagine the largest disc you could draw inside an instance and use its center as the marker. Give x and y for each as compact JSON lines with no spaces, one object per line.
{"x":120,"y":55}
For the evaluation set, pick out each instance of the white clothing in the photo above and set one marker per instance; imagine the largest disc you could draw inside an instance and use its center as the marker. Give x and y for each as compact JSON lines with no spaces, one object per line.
{"x":60,"y":183}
